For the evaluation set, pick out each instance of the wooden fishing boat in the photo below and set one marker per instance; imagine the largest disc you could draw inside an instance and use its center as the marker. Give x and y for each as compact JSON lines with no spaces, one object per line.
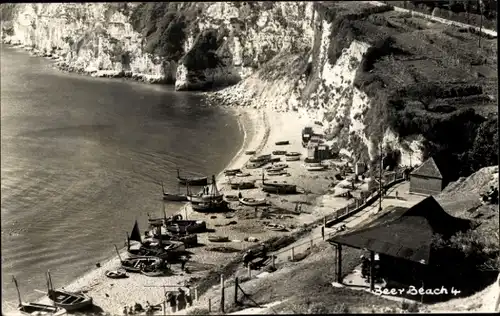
{"x":134,"y":264}
{"x":193,"y":181}
{"x":275,"y":227}
{"x":210,"y":207}
{"x":278,"y":188}
{"x":243,"y":185}
{"x":275,"y":159}
{"x":174,"y":246}
{"x":250,"y":152}
{"x":231,"y":198}
{"x":279,"y":152}
{"x":172,"y":196}
{"x":232,"y":172}
{"x":256,"y":164}
{"x":243,"y":174}
{"x":28,"y":308}
{"x":260,"y":158}
{"x":216,"y":238}
{"x":277,"y":173}
{"x":186,"y":226}
{"x":293,"y":154}
{"x":315,"y":167}
{"x":116,"y":274}
{"x":70,"y":301}
{"x":282,"y":142}
{"x":277,"y":167}
{"x":252,"y":201}
{"x":292,"y":158}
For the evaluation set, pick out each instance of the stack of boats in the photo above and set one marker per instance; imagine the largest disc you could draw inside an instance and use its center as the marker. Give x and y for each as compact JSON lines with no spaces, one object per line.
{"x":277,"y":169}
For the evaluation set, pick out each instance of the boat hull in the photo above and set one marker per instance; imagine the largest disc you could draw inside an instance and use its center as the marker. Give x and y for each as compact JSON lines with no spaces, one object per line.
{"x":70,"y":301}
{"x":279,"y":189}
{"x":193,"y":181}
{"x":242,"y":186}
{"x":204,"y":198}
{"x":30,"y":308}
{"x":209,"y":207}
{"x":174,"y":197}
{"x":253,"y":202}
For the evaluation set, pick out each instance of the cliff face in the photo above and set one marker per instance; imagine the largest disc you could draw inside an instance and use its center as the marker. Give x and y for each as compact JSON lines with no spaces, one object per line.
{"x":369,"y":74}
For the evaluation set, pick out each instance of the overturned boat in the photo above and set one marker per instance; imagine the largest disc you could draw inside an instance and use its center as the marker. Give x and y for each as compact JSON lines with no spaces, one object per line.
{"x":253,"y":202}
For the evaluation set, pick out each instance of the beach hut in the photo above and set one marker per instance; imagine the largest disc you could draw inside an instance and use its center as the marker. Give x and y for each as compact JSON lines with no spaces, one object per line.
{"x":427,"y":179}
{"x":359,"y":168}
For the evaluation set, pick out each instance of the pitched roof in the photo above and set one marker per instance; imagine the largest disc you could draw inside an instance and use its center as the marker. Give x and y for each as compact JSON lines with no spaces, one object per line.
{"x":429,"y":168}
{"x":406,"y":233}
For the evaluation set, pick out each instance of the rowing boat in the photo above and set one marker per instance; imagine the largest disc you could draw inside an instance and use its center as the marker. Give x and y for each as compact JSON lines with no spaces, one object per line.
{"x":215,"y":238}
{"x":29,"y":308}
{"x":253,"y":202}
{"x":279,"y":152}
{"x":243,"y":174}
{"x":315,"y":167}
{"x":292,"y":158}
{"x":116,"y":274}
{"x":275,"y":227}
{"x":70,"y":301}
{"x":134,"y":264}
{"x":282,"y":142}
{"x":243,"y":185}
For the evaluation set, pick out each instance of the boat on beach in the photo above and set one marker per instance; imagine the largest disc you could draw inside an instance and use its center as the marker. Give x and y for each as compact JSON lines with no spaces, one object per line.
{"x":260,"y":158}
{"x":315,"y":167}
{"x":245,"y":185}
{"x":282,"y":142}
{"x":278,"y":188}
{"x":70,"y":301}
{"x":29,"y":308}
{"x":213,"y":201}
{"x":216,"y":238}
{"x":292,"y":158}
{"x":243,"y":174}
{"x":135,"y":264}
{"x":275,"y":227}
{"x":193,"y":181}
{"x":172,"y":196}
{"x":250,"y":152}
{"x":279,"y":152}
{"x":116,"y":274}
{"x":232,"y":172}
{"x":253,"y":202}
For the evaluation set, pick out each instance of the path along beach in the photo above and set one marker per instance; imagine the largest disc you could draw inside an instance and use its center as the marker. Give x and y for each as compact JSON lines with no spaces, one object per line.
{"x":262,"y":128}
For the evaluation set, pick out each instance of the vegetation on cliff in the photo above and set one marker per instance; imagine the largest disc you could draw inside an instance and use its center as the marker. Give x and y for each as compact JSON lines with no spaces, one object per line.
{"x":423,"y":80}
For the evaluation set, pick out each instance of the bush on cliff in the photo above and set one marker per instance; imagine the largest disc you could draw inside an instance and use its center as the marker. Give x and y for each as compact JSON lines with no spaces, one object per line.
{"x":164,"y":26}
{"x":203,"y":53}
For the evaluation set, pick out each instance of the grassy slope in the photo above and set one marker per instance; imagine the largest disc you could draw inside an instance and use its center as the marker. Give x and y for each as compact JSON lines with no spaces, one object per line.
{"x":423,"y":78}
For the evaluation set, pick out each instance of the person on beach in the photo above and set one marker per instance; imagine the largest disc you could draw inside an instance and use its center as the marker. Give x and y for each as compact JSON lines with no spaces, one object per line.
{"x":396,"y":195}
{"x":240,"y":196}
{"x":131,"y":310}
{"x":183,"y":263}
{"x":172,"y":302}
{"x":125,"y":310}
{"x":181,"y":299}
{"x":189,"y":299}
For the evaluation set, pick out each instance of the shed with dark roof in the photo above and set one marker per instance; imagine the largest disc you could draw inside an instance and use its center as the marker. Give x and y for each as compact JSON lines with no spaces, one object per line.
{"x":405,"y":234}
{"x":428,"y":179}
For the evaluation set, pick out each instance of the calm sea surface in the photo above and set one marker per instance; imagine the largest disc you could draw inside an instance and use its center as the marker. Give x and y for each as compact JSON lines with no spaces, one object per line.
{"x":81,"y":158}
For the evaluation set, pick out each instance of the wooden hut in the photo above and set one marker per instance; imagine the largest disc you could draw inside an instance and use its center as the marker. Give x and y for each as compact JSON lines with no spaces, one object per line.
{"x":427,"y":179}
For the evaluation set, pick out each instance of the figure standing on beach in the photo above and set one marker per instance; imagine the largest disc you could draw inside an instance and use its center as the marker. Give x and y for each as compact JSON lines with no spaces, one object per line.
{"x":172,"y":302}
{"x":189,"y":299}
{"x":181,"y":299}
{"x":240,"y":196}
{"x":125,"y":310}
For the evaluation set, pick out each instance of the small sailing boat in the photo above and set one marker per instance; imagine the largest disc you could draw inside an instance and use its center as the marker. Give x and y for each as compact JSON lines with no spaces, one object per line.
{"x":194,"y":181}
{"x":28,"y":308}
{"x":213,"y":202}
{"x":70,"y":301}
{"x":173,"y":197}
{"x":207,"y":194}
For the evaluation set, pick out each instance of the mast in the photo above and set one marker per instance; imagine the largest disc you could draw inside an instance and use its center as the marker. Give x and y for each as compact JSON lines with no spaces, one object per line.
{"x":18,"y":293}
{"x":380,"y":180}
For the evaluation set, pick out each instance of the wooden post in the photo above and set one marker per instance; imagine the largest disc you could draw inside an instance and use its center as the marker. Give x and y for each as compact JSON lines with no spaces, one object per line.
{"x":196,"y":294}
{"x":324,"y":221}
{"x":339,"y":263}
{"x":222,"y":293}
{"x":164,"y":301}
{"x":323,"y":232}
{"x":249,"y":271}
{"x":312,"y":243}
{"x":372,"y":270}
{"x":293,"y":255}
{"x":209,"y":305}
{"x":236,"y":291}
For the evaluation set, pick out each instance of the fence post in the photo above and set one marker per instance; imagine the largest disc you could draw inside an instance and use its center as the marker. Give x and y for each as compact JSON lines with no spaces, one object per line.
{"x":293,"y":255}
{"x":196,"y":294}
{"x":312,"y":243}
{"x":324,"y":221}
{"x":323,"y":232}
{"x":222,"y":293}
{"x":236,"y":291}
{"x":249,"y":271}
